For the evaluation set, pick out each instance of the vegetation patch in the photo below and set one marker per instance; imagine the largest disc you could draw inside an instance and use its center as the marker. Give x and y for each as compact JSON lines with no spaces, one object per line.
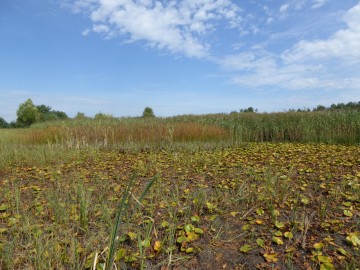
{"x":246,"y":206}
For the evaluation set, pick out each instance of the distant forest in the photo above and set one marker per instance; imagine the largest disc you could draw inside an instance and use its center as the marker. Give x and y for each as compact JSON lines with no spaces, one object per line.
{"x":333,"y":107}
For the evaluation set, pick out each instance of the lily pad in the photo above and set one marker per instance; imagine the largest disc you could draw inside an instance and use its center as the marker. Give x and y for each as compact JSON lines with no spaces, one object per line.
{"x":245,"y":248}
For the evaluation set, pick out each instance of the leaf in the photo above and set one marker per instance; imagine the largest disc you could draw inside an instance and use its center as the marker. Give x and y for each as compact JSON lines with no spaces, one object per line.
{"x":199,"y":231}
{"x":145,"y":243}
{"x":89,"y":261}
{"x":164,"y":224}
{"x":260,"y":242}
{"x":117,"y":188}
{"x":316,"y":252}
{"x":36,"y":188}
{"x":189,"y":250}
{"x":318,"y":246}
{"x":271,"y":258}
{"x":290,"y":249}
{"x":279,"y":224}
{"x":210,"y":206}
{"x":213,"y":217}
{"x":120,"y":254}
{"x":233,"y":214}
{"x":181,"y":239}
{"x":2,"y":230}
{"x":288,"y":235}
{"x":260,"y":211}
{"x":258,"y":221}
{"x":192,"y":236}
{"x":189,"y":228}
{"x":4,"y":215}
{"x":324,"y":259}
{"x":341,"y":251}
{"x":132,"y":235}
{"x":245,"y":227}
{"x":100,"y":266}
{"x":305,"y":200}
{"x":348,"y":213}
{"x":276,"y":213}
{"x":157,"y":246}
{"x":277,"y":240}
{"x":327,"y":266}
{"x":245,"y":248}
{"x":4,"y":207}
{"x":354,"y":239}
{"x":195,"y":218}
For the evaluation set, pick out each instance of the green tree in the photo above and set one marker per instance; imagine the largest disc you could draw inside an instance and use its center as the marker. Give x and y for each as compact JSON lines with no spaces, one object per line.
{"x":60,"y":114}
{"x":148,"y":112}
{"x":320,"y":108}
{"x":27,"y":113}
{"x":80,"y":116}
{"x":47,"y":114}
{"x":44,"y":109}
{"x":103,"y":116}
{"x":3,"y":123}
{"x":249,"y":110}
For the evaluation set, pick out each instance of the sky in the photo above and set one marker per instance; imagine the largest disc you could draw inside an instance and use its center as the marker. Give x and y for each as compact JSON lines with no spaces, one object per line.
{"x":178,"y":56}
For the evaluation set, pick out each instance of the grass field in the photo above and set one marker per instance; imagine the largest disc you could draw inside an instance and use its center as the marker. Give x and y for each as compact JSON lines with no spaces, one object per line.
{"x":244,"y":191}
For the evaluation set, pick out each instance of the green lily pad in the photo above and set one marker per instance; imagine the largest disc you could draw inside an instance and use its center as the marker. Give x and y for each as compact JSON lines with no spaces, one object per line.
{"x":245,"y":248}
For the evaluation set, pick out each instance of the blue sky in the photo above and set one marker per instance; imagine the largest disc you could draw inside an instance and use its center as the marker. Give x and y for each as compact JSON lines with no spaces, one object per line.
{"x":178,"y":57}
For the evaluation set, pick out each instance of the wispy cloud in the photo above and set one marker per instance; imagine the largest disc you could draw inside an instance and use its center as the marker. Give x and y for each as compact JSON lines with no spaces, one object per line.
{"x":344,"y":43}
{"x":318,"y":3}
{"x":284,"y":8}
{"x":182,"y":27}
{"x":305,"y":65}
{"x":256,"y":70}
{"x":175,"y":26}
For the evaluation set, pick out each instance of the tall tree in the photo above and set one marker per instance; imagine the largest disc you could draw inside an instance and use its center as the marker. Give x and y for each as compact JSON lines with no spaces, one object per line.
{"x":148,"y":112}
{"x":27,"y":113}
{"x":3,"y":123}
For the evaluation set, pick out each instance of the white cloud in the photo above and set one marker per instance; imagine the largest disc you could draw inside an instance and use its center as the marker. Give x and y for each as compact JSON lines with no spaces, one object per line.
{"x":86,"y":32}
{"x":264,"y":70}
{"x":174,"y":26}
{"x":257,"y":69}
{"x":320,"y":65}
{"x":318,"y":3}
{"x":100,"y":28}
{"x":284,"y":8}
{"x":343,"y":44}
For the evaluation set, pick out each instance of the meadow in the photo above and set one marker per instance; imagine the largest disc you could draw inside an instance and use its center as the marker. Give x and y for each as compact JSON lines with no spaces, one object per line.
{"x":225,"y":191}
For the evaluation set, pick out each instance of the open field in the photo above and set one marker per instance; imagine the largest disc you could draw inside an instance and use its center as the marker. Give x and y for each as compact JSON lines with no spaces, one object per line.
{"x":217,"y":202}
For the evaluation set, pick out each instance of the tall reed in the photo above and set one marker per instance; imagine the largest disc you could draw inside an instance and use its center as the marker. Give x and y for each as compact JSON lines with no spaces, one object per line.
{"x":323,"y":126}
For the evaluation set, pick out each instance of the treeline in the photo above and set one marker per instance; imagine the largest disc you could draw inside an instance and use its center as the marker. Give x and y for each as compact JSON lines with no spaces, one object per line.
{"x":28,"y":114}
{"x":333,"y":107}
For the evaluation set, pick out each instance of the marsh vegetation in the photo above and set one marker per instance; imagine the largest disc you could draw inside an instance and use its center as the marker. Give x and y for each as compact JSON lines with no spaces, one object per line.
{"x":238,"y":191}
